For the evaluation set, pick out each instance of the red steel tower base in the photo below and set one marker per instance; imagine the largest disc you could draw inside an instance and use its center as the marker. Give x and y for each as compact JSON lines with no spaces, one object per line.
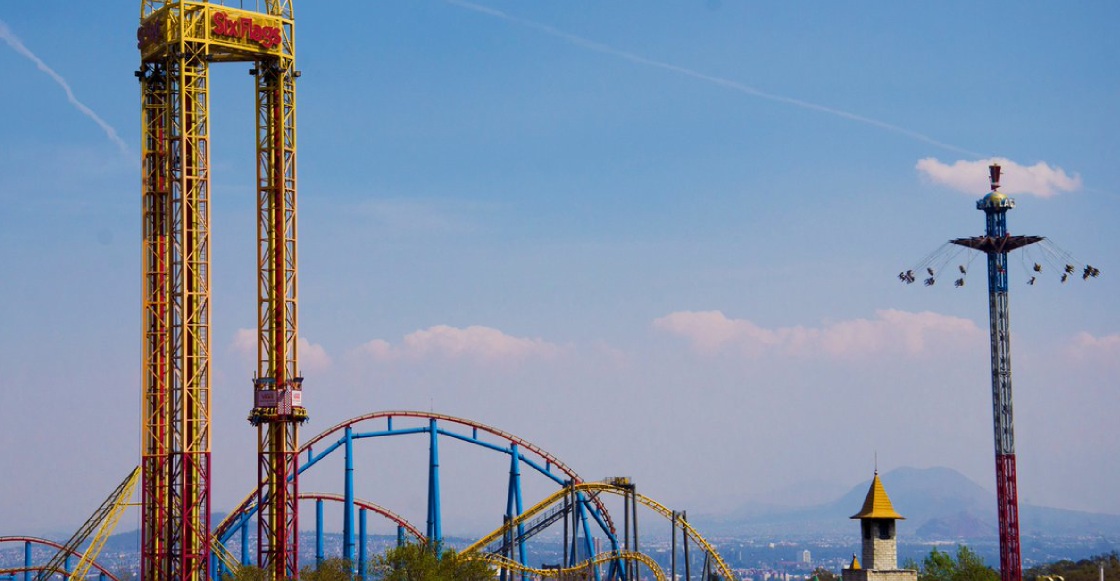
{"x":1009,"y":554}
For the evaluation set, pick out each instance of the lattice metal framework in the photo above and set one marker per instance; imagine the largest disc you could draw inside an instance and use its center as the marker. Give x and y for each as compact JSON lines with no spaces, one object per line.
{"x":278,"y":409}
{"x":996,"y":243}
{"x":177,"y":41}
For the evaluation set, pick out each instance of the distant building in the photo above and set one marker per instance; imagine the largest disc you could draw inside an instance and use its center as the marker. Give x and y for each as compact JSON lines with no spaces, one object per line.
{"x":806,"y":557}
{"x":880,"y":548}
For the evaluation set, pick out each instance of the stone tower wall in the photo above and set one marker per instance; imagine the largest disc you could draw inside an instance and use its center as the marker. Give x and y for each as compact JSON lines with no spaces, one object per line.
{"x":879,"y":553}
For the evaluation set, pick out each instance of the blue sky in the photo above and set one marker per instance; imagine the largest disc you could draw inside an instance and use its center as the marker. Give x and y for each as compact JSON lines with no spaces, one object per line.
{"x":658,"y":241}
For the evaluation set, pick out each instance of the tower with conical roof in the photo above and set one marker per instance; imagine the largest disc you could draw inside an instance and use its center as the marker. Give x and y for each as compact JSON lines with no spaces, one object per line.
{"x":880,"y":547}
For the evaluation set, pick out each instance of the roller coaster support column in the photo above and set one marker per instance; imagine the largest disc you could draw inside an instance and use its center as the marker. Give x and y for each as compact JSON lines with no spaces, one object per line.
{"x":27,"y":560}
{"x":435,"y":526}
{"x":573,"y":515}
{"x":586,"y":530}
{"x":507,"y":547}
{"x":348,"y":501}
{"x":400,"y":536}
{"x":634,"y":518}
{"x":673,"y":547}
{"x":244,"y":540}
{"x":362,"y":534}
{"x":564,"y":562}
{"x":630,"y":520}
{"x":626,"y":530}
{"x":687,"y":563}
{"x":514,"y":506}
{"x":319,"y":555}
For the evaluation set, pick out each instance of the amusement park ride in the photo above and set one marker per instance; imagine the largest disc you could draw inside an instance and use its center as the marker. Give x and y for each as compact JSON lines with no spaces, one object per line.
{"x":178,"y":40}
{"x":996,"y":243}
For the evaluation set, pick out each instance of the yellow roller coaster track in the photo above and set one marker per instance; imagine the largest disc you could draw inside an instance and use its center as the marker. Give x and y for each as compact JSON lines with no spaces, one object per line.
{"x":540,"y":507}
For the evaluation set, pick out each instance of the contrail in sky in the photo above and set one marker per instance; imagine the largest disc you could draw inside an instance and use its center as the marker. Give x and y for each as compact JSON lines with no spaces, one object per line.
{"x":728,"y":83}
{"x":17,"y":45}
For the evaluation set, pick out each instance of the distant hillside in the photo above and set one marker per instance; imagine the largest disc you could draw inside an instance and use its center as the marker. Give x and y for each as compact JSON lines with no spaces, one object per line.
{"x":940,"y":504}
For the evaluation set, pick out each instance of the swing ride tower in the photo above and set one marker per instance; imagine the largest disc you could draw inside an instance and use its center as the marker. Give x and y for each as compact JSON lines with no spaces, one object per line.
{"x":178,"y":40}
{"x":996,"y":243}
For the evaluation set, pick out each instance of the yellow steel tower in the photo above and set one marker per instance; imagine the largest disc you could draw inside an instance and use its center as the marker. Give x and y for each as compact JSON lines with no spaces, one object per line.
{"x":178,"y":39}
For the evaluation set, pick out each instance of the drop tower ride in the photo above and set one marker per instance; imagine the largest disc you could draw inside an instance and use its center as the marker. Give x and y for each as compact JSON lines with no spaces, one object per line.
{"x":178,"y":40}
{"x":996,"y":243}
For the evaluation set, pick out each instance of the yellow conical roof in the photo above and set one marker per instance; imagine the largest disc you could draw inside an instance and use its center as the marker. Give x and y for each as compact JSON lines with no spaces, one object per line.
{"x":855,"y":563}
{"x":877,"y":504}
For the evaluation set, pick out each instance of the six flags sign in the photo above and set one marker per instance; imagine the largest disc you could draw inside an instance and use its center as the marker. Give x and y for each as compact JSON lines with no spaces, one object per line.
{"x":243,"y":28}
{"x":223,"y":26}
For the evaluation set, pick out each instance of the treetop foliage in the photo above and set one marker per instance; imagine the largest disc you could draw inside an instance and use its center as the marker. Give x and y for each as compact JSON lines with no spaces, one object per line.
{"x":1083,"y":570}
{"x":941,"y":566}
{"x":419,"y":563}
{"x":823,"y":574}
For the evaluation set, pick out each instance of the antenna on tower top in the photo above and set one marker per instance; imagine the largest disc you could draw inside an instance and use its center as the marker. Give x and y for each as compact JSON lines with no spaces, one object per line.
{"x":993,"y":170}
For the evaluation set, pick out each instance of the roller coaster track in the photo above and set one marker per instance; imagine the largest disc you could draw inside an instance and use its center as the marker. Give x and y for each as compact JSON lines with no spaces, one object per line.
{"x":400,"y":520}
{"x":53,"y":545}
{"x":247,"y":506}
{"x":592,"y":487}
{"x":102,"y":522}
{"x":599,"y":559}
{"x":230,"y":562}
{"x":535,"y":526}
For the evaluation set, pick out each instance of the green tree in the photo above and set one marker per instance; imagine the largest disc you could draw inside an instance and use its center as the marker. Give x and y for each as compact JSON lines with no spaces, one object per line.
{"x":967,"y":566}
{"x":822,"y":574}
{"x":246,"y":573}
{"x":419,"y":563}
{"x":336,"y":569}
{"x":1083,"y":570}
{"x":937,"y":566}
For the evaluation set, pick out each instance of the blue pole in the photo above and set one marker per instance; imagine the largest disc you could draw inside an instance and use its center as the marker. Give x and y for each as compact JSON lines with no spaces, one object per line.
{"x":400,"y":536}
{"x":244,"y":539}
{"x":319,"y":556}
{"x":27,"y":560}
{"x":348,"y":502}
{"x":435,"y":532}
{"x":586,"y":530}
{"x":514,"y":506}
{"x":362,"y":566}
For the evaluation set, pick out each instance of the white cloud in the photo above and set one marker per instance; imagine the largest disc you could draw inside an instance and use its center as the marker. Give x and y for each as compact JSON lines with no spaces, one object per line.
{"x":891,"y":331}
{"x":245,"y":342}
{"x":1086,"y":345}
{"x":475,"y":342}
{"x":312,"y":356}
{"x":971,"y":177}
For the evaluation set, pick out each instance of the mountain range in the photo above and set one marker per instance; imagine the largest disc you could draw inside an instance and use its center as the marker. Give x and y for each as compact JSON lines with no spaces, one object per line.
{"x":940,"y":504}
